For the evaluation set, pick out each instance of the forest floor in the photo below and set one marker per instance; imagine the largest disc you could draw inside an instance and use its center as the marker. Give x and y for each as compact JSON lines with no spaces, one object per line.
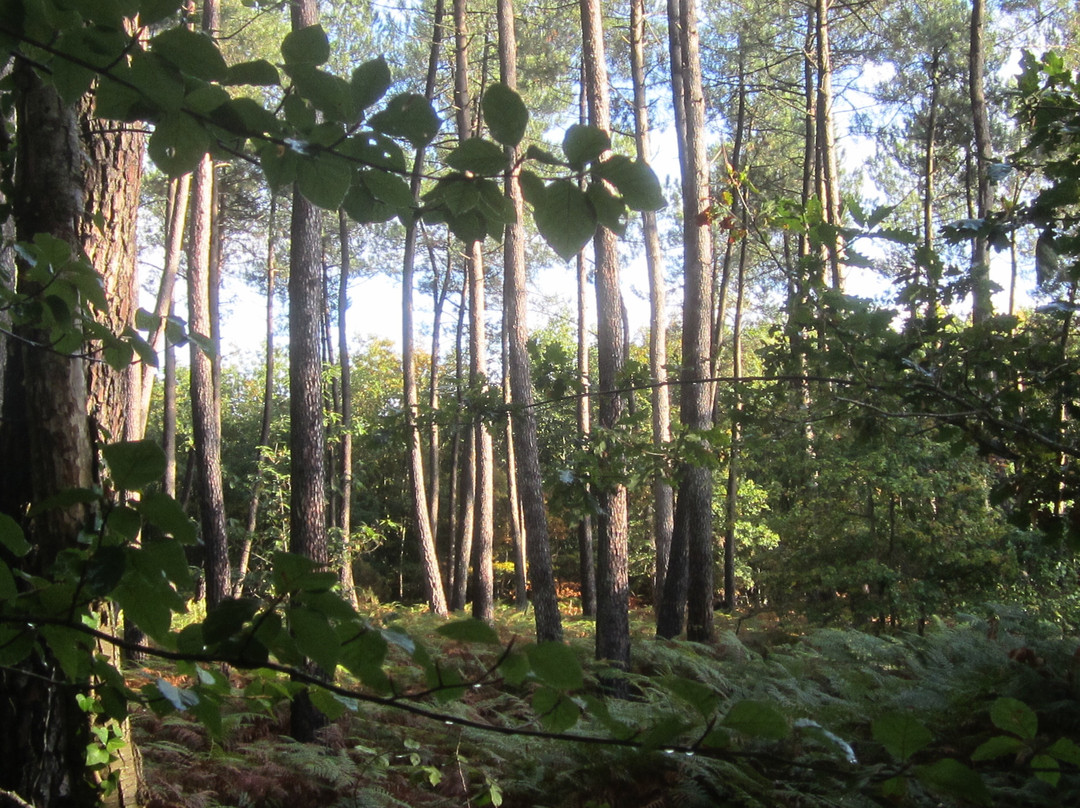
{"x":828,"y":683}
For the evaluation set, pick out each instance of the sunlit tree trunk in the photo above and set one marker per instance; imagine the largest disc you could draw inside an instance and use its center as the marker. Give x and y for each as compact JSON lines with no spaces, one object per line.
{"x":527,"y":453}
{"x":348,"y":587}
{"x":982,"y":306}
{"x":692,"y":549}
{"x":663,"y":497}
{"x":612,"y":570}
{"x":828,"y":170}
{"x":429,"y":561}
{"x":307,"y":437}
{"x":586,"y":543}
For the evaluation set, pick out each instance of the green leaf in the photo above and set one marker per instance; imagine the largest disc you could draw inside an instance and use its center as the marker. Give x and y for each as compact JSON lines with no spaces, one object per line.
{"x":532,"y":188}
{"x":1012,"y":715}
{"x":8,"y":588}
{"x":505,"y":114}
{"x":363,"y":207}
{"x":757,"y":719}
{"x":387,"y":187}
{"x":635,"y":181}
{"x":479,"y":156}
{"x":124,"y":522}
{"x":327,"y":703}
{"x":314,"y":636}
{"x":154,"y":11}
{"x":543,"y":156}
{"x":1065,"y":750}
{"x":610,"y":210}
{"x":167,"y":558}
{"x":900,"y":734}
{"x":953,"y":778}
{"x":471,"y":631}
{"x":556,"y":665}
{"x":556,"y":712}
{"x":12,"y":537}
{"x":165,"y":514}
{"x":307,"y":46}
{"x":328,"y":93}
{"x":324,"y":180}
{"x":279,"y":165}
{"x":565,"y":218}
{"x":408,"y":116}
{"x":370,"y":81}
{"x":258,"y":73}
{"x":699,"y":696}
{"x":996,"y":747}
{"x":65,"y":499}
{"x":178,"y":143}
{"x":227,"y":619}
{"x":583,"y":144}
{"x":1046,"y":769}
{"x":362,"y":653}
{"x":134,"y":464}
{"x":193,"y":52}
{"x":664,"y":732}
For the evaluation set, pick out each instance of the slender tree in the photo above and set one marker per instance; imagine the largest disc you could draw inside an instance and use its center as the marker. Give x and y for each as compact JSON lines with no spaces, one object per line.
{"x":527,"y":453}
{"x":612,"y":565}
{"x":348,"y":586}
{"x":982,"y":305}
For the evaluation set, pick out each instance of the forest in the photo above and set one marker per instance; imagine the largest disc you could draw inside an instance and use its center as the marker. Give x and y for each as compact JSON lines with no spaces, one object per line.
{"x":716,"y":444}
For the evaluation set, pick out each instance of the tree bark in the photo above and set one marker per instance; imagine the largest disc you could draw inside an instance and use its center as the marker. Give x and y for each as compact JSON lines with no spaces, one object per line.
{"x":526,"y":449}
{"x":663,"y":496}
{"x":586,"y":543}
{"x":612,"y":572}
{"x":348,"y":586}
{"x":982,"y":305}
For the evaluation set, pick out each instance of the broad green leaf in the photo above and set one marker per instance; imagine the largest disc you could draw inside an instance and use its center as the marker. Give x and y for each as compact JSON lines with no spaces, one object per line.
{"x":363,"y":207}
{"x":479,"y":156}
{"x":279,"y":165}
{"x":375,"y":150}
{"x":556,"y":711}
{"x":996,"y":747}
{"x":699,"y":696}
{"x":259,"y":73}
{"x":165,"y":514}
{"x":543,"y":156}
{"x":469,"y":226}
{"x":408,"y":116}
{"x":103,"y":571}
{"x":71,"y":80}
{"x":757,"y":719}
{"x":901,"y":735}
{"x":124,"y":522}
{"x":12,"y":537}
{"x":664,"y":732}
{"x":307,"y":46}
{"x":65,"y":499}
{"x":115,"y":99}
{"x":228,"y":618}
{"x":314,"y":636}
{"x":8,"y":589}
{"x":556,"y":665}
{"x":470,"y":631}
{"x":154,"y":11}
{"x":370,"y":81}
{"x":1012,"y":715}
{"x":158,"y":81}
{"x":505,"y":114}
{"x":583,"y":144}
{"x":192,"y":52}
{"x":610,"y":210}
{"x":565,"y":218}
{"x":324,"y":180}
{"x":953,"y":778}
{"x":1065,"y":750}
{"x":532,"y":188}
{"x":635,"y":181}
{"x":167,"y":557}
{"x":326,"y":92}
{"x":514,"y":668}
{"x":143,"y":604}
{"x":362,"y":653}
{"x":1046,"y":769}
{"x":387,"y":187}
{"x":178,"y":143}
{"x":327,"y":703}
{"x":134,"y":464}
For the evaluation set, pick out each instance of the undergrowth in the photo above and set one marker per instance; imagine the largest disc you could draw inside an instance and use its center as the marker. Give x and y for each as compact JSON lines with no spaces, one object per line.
{"x":829,"y":684}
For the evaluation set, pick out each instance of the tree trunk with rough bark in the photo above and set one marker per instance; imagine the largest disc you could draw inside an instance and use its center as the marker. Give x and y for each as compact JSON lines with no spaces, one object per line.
{"x":982,"y":306}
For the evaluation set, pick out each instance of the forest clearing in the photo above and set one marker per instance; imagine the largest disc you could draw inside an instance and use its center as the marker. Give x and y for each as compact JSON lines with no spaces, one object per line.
{"x":726,"y":453}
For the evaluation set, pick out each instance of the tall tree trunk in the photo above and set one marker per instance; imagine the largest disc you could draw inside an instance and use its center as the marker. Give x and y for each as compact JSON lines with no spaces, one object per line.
{"x":612,"y":569}
{"x":168,"y":418}
{"x":429,"y":560}
{"x":307,"y":438}
{"x":43,"y":731}
{"x":483,"y":453}
{"x":731,"y":509}
{"x":691,"y":544}
{"x":826,"y":142}
{"x":466,"y":474}
{"x":586,"y":545}
{"x":268,"y":398}
{"x":982,"y":305}
{"x":527,"y":453}
{"x":663,"y":496}
{"x":348,"y":586}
